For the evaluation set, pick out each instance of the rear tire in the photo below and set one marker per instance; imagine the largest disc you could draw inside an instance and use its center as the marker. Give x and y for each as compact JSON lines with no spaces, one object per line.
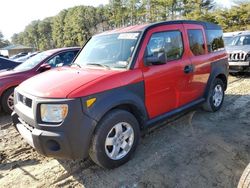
{"x":7,"y":102}
{"x":115,"y":139}
{"x":215,"y":96}
{"x":245,"y":178}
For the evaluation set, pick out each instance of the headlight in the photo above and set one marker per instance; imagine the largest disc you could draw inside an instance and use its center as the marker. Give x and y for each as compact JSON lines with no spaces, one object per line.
{"x":53,"y":113}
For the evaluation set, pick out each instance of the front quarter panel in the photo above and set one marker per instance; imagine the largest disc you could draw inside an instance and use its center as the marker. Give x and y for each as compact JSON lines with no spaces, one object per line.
{"x":132,"y":95}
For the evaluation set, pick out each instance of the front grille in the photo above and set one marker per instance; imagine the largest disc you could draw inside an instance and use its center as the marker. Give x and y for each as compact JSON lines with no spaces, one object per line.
{"x":25,"y":100}
{"x":240,"y":56}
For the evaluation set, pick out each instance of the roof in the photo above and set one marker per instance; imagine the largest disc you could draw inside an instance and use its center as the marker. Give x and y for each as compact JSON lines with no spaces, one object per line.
{"x":16,"y":46}
{"x":136,"y":28}
{"x":235,"y":33}
{"x":62,"y":49}
{"x":244,"y":33}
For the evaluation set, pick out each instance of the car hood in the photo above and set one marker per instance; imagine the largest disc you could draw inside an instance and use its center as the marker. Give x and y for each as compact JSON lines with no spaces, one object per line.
{"x":244,"y":48}
{"x":60,"y":82}
{"x":8,"y":73}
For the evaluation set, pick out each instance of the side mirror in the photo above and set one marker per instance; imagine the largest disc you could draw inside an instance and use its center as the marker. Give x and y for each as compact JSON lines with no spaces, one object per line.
{"x":157,"y":59}
{"x":44,"y":67}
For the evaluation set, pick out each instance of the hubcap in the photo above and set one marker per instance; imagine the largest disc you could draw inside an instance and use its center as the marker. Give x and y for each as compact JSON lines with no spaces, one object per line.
{"x":119,"y":140}
{"x":10,"y":101}
{"x":218,"y":95}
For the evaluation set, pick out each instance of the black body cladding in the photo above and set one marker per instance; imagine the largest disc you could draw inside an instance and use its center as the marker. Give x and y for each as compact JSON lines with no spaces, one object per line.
{"x":131,"y":96}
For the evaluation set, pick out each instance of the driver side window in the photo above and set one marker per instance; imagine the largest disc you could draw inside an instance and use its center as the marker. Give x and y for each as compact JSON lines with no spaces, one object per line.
{"x":169,"y":42}
{"x":155,"y":44}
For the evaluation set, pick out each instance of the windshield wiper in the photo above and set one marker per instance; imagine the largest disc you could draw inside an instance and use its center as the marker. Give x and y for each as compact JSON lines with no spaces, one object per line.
{"x":100,"y":65}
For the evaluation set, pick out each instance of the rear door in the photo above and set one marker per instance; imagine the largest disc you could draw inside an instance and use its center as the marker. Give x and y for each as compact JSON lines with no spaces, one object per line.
{"x":197,"y":50}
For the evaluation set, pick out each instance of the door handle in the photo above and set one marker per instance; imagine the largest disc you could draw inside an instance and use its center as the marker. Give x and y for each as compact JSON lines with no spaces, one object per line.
{"x":188,"y":69}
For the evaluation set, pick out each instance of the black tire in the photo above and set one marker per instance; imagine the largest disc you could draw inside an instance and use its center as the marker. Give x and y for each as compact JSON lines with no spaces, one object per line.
{"x":245,"y":178}
{"x":234,"y":73}
{"x":98,"y":148}
{"x":4,"y":101}
{"x":209,"y":104}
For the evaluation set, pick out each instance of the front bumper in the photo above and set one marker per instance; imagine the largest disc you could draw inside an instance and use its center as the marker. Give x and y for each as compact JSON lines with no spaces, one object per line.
{"x":239,"y":63}
{"x":239,"y":66}
{"x":69,"y":140}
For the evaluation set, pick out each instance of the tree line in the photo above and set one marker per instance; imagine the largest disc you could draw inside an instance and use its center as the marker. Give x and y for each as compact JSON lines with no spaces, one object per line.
{"x":74,"y":26}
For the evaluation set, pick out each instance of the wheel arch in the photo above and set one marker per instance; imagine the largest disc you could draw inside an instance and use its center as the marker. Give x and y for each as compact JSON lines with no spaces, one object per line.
{"x":5,"y":90}
{"x":134,"y":110}
{"x":129,"y":98}
{"x":223,"y":78}
{"x":219,"y":70}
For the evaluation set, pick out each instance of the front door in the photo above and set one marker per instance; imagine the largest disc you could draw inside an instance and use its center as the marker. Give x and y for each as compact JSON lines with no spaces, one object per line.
{"x":165,"y":83}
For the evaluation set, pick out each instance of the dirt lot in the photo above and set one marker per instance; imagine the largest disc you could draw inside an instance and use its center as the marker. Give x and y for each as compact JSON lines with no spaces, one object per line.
{"x":198,"y":149}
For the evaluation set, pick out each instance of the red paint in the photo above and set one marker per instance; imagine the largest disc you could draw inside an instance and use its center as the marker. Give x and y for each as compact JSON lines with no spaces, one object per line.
{"x":167,"y":87}
{"x":13,"y":78}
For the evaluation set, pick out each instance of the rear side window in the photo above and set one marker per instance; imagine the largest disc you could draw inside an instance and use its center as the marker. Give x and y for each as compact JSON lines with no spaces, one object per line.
{"x":169,"y":41}
{"x":196,"y":41}
{"x":215,"y":40}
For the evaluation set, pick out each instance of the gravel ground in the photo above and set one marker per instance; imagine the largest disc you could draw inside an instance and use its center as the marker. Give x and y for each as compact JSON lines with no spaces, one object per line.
{"x":198,"y":149}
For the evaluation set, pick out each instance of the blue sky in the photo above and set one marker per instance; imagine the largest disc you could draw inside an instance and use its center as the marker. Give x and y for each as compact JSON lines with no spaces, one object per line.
{"x":16,"y":14}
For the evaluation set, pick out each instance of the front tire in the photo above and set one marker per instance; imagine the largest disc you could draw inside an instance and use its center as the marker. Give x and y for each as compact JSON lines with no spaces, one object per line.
{"x":115,"y":139}
{"x":8,"y":100}
{"x":245,"y":178}
{"x":215,"y":97}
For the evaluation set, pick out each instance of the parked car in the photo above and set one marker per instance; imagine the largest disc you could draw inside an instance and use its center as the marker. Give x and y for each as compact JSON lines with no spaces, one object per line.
{"x":122,"y":82}
{"x":7,"y":63}
{"x":35,"y":65}
{"x":24,"y":58}
{"x":18,"y":55}
{"x":239,"y":53}
{"x":227,"y":37}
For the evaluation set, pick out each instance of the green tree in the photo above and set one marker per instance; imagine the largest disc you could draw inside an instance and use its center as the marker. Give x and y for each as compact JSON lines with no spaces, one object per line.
{"x":57,"y":29}
{"x":44,"y":31}
{"x":3,"y":42}
{"x":197,"y":9}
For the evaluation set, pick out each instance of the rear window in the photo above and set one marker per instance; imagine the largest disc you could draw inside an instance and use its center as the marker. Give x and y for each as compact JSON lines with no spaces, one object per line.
{"x":215,"y":40}
{"x":196,"y":41}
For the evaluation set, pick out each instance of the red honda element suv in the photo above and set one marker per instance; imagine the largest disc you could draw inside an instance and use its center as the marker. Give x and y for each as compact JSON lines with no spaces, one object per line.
{"x":122,"y":82}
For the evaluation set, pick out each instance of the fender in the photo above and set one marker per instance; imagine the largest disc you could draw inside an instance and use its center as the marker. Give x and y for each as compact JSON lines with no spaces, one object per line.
{"x":132,"y":95}
{"x":218,"y":68}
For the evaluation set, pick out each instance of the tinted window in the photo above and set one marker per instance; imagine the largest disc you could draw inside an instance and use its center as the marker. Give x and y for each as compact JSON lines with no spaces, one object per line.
{"x":170,"y":42}
{"x":62,"y":59}
{"x":215,"y":40}
{"x":196,"y":41}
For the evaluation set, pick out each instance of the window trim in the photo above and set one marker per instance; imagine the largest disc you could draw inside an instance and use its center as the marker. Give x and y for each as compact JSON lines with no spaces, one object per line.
{"x":183,"y":44}
{"x":204,"y":40}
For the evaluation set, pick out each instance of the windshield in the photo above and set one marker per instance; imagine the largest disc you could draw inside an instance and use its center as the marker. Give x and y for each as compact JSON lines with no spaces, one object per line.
{"x":241,"y":40}
{"x":108,"y":51}
{"x":32,"y":62}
